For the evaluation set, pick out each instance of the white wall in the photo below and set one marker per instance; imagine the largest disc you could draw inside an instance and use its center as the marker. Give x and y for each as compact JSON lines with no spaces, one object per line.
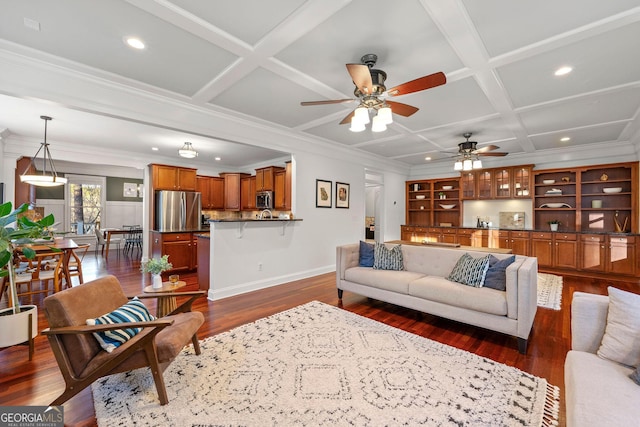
{"x":297,"y":250}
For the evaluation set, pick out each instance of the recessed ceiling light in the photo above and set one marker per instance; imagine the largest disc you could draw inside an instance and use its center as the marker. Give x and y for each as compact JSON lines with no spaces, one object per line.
{"x":218,"y":158}
{"x":563,"y":70}
{"x":427,"y":158}
{"x":155,"y":148}
{"x":134,"y":42}
{"x":565,"y":139}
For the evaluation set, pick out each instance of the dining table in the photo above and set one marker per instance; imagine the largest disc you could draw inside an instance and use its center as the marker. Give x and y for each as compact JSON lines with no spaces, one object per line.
{"x":66,"y":246}
{"x":108,"y":232}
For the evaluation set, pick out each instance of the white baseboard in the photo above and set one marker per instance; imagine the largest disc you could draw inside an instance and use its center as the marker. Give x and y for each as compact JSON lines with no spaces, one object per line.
{"x":262,"y":284}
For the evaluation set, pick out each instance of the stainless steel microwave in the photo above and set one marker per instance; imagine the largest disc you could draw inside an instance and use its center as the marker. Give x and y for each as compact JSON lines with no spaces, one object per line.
{"x":264,"y":200}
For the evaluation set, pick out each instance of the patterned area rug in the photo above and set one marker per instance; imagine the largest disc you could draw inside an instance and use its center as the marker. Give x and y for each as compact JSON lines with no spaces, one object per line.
{"x":549,"y":291}
{"x":319,"y":365}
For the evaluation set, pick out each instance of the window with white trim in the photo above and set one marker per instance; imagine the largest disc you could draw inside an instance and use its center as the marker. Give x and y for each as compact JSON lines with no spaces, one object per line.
{"x":85,"y":199}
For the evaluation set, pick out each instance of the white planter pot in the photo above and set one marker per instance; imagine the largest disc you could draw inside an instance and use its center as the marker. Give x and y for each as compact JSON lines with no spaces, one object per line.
{"x":157,"y":281}
{"x":14,"y":328}
{"x":554,"y":227}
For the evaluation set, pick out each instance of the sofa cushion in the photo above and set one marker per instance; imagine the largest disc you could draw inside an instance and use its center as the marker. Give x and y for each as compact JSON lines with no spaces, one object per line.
{"x":396,"y":281}
{"x":366,"y":254}
{"x":439,"y":289}
{"x":496,"y":277}
{"x":599,"y":392}
{"x":620,"y":342}
{"x":132,"y":311}
{"x":469,"y":270}
{"x":387,"y":259}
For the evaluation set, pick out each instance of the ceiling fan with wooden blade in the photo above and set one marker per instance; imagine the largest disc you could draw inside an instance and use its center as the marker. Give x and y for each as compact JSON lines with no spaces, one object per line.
{"x":469,"y":148}
{"x":371,"y":94}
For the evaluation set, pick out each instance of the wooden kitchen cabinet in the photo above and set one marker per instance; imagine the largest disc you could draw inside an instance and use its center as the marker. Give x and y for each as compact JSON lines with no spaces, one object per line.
{"x":211,"y":190}
{"x":180,"y":247}
{"x":608,"y":254}
{"x":279,"y":202}
{"x":265,"y":178}
{"x":166,"y":177}
{"x":248,"y":193}
{"x":288,"y":186}
{"x":516,"y":240}
{"x":555,"y":250}
{"x":498,"y":183}
{"x":232,"y":190}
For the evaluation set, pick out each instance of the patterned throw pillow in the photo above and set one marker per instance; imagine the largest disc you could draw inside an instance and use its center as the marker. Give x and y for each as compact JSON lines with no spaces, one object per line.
{"x":470,"y":271}
{"x":133,"y":311}
{"x":387,"y":259}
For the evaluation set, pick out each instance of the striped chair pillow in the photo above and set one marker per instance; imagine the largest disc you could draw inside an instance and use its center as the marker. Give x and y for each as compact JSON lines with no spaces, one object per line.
{"x":470,"y":271}
{"x":387,"y":259}
{"x":133,"y":311}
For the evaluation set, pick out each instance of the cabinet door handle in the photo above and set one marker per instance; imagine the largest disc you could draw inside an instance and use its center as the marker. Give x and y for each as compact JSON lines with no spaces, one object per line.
{"x":602,"y":246}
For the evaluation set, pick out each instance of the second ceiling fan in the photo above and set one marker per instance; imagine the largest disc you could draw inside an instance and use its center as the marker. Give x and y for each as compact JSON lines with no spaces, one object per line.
{"x":372,"y":94}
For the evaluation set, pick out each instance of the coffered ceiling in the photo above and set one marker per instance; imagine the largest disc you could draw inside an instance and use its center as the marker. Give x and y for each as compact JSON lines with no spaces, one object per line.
{"x":255,"y":61}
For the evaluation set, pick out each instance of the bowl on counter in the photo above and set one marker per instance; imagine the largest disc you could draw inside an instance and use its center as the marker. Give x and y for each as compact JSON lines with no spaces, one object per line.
{"x":447,"y":187}
{"x":448,"y":206}
{"x":548,"y":181}
{"x":612,"y":189}
{"x":420,"y":196}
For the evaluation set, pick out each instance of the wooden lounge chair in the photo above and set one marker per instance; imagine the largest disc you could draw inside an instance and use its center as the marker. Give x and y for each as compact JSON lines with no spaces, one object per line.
{"x":80,"y":357}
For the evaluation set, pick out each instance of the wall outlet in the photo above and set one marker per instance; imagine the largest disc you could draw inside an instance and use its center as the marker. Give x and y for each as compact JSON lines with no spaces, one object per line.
{"x":259,"y":266}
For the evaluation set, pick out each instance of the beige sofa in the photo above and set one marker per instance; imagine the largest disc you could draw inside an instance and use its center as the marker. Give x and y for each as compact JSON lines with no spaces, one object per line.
{"x":598,"y":392}
{"x":422,"y":286}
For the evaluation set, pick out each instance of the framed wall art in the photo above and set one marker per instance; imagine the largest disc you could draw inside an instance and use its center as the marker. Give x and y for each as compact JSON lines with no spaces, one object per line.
{"x":342,"y":195}
{"x":323,"y":193}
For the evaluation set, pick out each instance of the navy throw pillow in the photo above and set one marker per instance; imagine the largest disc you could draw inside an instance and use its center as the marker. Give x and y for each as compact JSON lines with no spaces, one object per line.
{"x":496,"y":277}
{"x":366,"y":254}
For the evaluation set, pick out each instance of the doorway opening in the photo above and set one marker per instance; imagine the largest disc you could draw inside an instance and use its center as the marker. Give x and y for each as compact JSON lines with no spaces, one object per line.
{"x":373,"y":216}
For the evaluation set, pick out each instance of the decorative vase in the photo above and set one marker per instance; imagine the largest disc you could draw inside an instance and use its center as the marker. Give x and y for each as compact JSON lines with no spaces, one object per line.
{"x":554,"y":227}
{"x":157,"y":281}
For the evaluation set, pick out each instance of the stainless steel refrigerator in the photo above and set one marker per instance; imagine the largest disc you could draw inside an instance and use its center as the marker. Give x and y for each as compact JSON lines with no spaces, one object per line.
{"x":177,"y":210}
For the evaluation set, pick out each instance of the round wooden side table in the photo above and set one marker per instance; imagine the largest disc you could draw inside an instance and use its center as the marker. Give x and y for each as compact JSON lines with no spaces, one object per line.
{"x":166,"y":304}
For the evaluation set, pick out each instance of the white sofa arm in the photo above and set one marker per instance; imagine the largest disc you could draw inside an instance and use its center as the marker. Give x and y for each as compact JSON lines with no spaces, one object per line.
{"x":527,"y":296}
{"x":588,"y":321}
{"x":347,"y":256}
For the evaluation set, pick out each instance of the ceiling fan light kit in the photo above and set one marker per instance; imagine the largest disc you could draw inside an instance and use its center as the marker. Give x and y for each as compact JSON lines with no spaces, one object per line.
{"x":468,"y":156}
{"x":48,"y":178}
{"x":371,"y":94}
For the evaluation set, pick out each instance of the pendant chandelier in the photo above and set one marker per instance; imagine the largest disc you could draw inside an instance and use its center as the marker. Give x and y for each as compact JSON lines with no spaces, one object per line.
{"x":48,"y":176}
{"x":188,"y":151}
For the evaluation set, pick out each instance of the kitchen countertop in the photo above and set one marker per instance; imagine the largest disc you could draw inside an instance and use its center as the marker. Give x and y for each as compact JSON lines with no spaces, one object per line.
{"x":545,"y":230}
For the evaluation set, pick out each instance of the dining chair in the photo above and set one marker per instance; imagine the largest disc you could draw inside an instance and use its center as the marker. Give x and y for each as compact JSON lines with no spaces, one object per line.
{"x":100,"y":241}
{"x":40,"y":275}
{"x":133,"y":238}
{"x":75,"y":262}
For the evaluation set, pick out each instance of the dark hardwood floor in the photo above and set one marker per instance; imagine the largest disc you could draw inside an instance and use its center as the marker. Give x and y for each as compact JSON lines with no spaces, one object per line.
{"x":38,"y":382}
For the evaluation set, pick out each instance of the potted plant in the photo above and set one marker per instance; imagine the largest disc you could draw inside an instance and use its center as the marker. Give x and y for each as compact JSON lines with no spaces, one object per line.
{"x":442,"y":195}
{"x":553,"y":224}
{"x":16,"y":232}
{"x":156,"y":266}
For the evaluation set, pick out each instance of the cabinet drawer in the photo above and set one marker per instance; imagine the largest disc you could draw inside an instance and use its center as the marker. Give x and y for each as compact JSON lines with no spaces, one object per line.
{"x":466,"y":231}
{"x":177,"y":237}
{"x":421,"y":230}
{"x":592,"y":238}
{"x":405,"y":228}
{"x":434,"y":230}
{"x":540,"y":235}
{"x":622,"y":239}
{"x":566,"y":236}
{"x":448,"y":231}
{"x":503,"y":233}
{"x":519,"y":234}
